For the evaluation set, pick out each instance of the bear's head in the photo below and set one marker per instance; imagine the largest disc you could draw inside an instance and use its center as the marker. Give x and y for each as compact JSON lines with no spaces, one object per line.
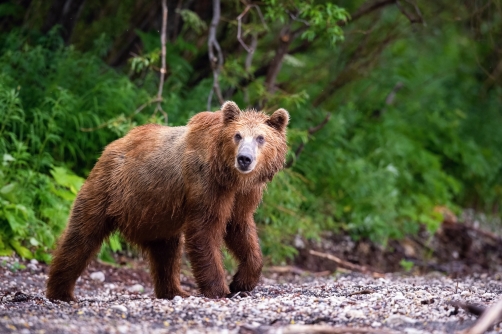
{"x":254,"y":143}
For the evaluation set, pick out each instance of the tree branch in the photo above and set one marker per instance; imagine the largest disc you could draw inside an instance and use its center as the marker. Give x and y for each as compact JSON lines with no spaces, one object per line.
{"x":158,"y":99}
{"x":215,"y":61}
{"x":410,"y":17}
{"x":239,"y":26}
{"x":163,"y":38}
{"x":489,"y":317}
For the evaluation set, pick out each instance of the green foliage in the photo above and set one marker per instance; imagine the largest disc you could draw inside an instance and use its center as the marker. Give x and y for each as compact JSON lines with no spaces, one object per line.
{"x":406,"y":265}
{"x":376,"y":169}
{"x":319,"y":20}
{"x":48,"y":92}
{"x":192,"y":21}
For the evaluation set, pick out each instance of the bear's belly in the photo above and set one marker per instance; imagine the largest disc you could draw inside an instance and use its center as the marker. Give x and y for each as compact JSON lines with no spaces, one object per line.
{"x":152,"y":225}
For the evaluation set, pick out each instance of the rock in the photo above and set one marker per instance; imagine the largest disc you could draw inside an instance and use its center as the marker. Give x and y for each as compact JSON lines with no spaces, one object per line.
{"x":355,"y":314}
{"x":398,"y":296}
{"x":122,"y":329}
{"x":119,"y":308}
{"x":137,"y":288}
{"x":177,"y":299}
{"x":298,"y":242}
{"x":98,"y":276}
{"x":397,"y":320}
{"x":413,"y":331}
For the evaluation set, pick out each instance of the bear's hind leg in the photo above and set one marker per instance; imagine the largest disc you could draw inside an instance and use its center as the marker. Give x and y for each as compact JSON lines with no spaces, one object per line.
{"x":79,"y":243}
{"x":165,"y":261}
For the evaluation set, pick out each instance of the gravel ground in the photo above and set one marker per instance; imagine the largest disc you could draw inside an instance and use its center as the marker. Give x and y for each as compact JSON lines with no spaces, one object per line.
{"x":120,"y":300}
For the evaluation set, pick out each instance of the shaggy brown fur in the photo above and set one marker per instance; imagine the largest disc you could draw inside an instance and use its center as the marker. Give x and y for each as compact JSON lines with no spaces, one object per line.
{"x":159,"y":185}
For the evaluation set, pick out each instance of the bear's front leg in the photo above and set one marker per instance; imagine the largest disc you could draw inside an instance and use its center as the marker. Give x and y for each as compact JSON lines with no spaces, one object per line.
{"x":204,"y":239}
{"x":241,"y":239}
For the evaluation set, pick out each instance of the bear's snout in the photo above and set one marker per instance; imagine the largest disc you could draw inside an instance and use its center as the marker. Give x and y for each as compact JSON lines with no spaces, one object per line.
{"x":245,"y":161}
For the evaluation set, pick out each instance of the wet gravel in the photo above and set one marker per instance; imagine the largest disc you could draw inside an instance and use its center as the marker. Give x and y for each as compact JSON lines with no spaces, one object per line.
{"x":120,"y":300}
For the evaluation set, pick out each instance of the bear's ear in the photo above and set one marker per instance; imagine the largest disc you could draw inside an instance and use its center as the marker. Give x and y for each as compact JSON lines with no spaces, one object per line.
{"x":279,"y":120}
{"x":230,"y":111}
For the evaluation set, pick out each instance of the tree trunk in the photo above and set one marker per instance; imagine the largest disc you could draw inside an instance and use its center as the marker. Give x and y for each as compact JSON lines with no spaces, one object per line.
{"x":64,"y":13}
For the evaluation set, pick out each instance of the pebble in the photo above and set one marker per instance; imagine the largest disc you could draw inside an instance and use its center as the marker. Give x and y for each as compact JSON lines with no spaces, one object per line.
{"x":355,"y":314}
{"x":394,"y":305}
{"x":137,"y":288}
{"x":396,"y":319}
{"x":120,"y":308}
{"x":98,"y":276}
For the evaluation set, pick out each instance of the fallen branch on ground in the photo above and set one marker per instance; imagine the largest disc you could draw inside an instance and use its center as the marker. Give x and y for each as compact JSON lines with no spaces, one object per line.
{"x":295,"y":270}
{"x":346,"y":264}
{"x":297,"y":329}
{"x":489,"y":317}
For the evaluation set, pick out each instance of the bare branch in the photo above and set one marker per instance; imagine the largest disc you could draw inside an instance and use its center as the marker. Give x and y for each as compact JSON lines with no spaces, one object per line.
{"x":249,"y":57}
{"x":247,"y":65}
{"x":239,"y":28}
{"x":215,"y":61}
{"x":252,"y":48}
{"x":295,"y":18}
{"x":163,"y":38}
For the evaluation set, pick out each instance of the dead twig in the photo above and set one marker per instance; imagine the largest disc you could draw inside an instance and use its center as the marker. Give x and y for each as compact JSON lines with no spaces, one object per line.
{"x":215,"y":61}
{"x":488,"y":318}
{"x":346,"y":264}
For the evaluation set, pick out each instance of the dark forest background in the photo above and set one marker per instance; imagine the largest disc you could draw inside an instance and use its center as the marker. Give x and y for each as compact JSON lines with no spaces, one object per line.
{"x":395,"y":106}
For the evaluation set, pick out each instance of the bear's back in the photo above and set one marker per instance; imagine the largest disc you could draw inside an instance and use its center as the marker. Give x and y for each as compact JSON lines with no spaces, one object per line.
{"x":145,"y":178}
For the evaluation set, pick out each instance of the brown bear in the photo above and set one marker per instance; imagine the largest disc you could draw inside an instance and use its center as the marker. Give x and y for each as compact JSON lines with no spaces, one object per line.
{"x":161,"y":186}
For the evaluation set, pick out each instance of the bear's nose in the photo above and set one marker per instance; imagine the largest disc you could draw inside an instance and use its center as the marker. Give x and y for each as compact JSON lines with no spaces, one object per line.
{"x":244,"y":160}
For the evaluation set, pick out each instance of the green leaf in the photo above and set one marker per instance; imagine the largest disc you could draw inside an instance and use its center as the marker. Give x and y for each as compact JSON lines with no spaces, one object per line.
{"x":8,"y":158}
{"x":20,"y":250}
{"x":8,"y":188}
{"x":114,"y":242}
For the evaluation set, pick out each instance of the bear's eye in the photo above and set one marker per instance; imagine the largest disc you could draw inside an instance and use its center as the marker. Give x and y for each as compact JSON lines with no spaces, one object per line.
{"x":237,"y":137}
{"x":260,"y":140}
